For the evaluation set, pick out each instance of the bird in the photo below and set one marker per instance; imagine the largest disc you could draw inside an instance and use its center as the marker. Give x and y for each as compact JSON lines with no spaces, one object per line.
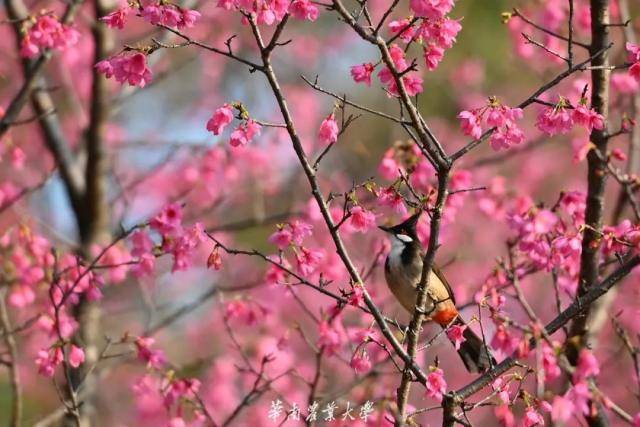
{"x":403,"y":270}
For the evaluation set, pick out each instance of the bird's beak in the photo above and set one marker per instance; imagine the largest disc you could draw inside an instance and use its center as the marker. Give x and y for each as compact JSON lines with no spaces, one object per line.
{"x":383,"y":228}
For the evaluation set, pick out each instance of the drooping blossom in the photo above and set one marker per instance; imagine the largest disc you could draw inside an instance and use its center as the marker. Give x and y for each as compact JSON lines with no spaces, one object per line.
{"x":587,"y":117}
{"x":550,"y":363}
{"x":304,"y":10}
{"x":390,"y":197}
{"x":587,"y":366}
{"x":532,"y":418}
{"x":328,"y":133}
{"x":220,"y":119}
{"x":456,"y":335}
{"x":436,"y":385}
{"x":555,"y":120}
{"x":76,"y":356}
{"x":504,"y":341}
{"x":505,"y":416}
{"x":117,"y":18}
{"x":282,"y":238}
{"x":152,"y":357}
{"x":360,"y":362}
{"x":214,"y":259}
{"x":244,"y":133}
{"x":470,"y":124}
{"x":362,"y":73}
{"x":48,"y":360}
{"x":433,"y":54}
{"x":389,"y":167}
{"x":308,"y":260}
{"x":562,"y":409}
{"x":634,"y":57}
{"x":127,"y":67}
{"x":361,"y":219}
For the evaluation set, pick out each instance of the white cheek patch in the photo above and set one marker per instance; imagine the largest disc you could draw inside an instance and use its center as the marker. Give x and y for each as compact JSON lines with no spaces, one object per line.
{"x":404,"y":238}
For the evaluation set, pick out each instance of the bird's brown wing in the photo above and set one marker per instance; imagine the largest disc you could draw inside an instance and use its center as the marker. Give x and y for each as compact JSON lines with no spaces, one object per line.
{"x":443,"y":279}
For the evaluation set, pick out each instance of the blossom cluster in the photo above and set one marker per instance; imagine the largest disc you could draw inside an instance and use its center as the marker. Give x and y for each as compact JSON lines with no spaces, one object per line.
{"x":129,"y":67}
{"x":155,"y":13}
{"x":242,"y":134}
{"x":269,"y":12}
{"x":47,"y":32}
{"x":494,"y":115}
{"x":560,"y":119}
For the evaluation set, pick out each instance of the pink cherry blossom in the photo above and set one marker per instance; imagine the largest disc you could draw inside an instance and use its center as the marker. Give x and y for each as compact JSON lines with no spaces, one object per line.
{"x":634,"y":51}
{"x":244,"y":133}
{"x":169,"y":15}
{"x":220,"y":119}
{"x":361,"y":219}
{"x":456,"y":335}
{"x":362,"y":73}
{"x":411,"y":81}
{"x":580,"y":395}
{"x":431,"y":9}
{"x":588,"y":366}
{"x":555,"y":120}
{"x":76,"y":356}
{"x":141,"y":242}
{"x":308,"y":260}
{"x":433,"y":55}
{"x":188,"y":18}
{"x":126,"y":67}
{"x":504,"y":414}
{"x":152,"y":357}
{"x":470,"y":124}
{"x":304,"y":9}
{"x":532,"y":418}
{"x":328,"y":133}
{"x":169,"y":221}
{"x":281,"y":238}
{"x":300,"y":230}
{"x":361,"y":363}
{"x":562,"y":409}
{"x":48,"y":360}
{"x":117,"y":18}
{"x":500,"y":117}
{"x":408,"y":31}
{"x":504,"y":341}
{"x":47,"y":33}
{"x":550,"y":363}
{"x":588,"y":118}
{"x":436,"y":385}
{"x":390,"y":197}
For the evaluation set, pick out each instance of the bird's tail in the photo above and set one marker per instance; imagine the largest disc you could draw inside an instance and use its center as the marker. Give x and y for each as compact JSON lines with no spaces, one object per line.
{"x":475,"y":355}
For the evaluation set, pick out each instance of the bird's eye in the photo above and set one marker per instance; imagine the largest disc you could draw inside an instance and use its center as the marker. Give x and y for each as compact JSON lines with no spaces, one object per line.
{"x":404,"y":238}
